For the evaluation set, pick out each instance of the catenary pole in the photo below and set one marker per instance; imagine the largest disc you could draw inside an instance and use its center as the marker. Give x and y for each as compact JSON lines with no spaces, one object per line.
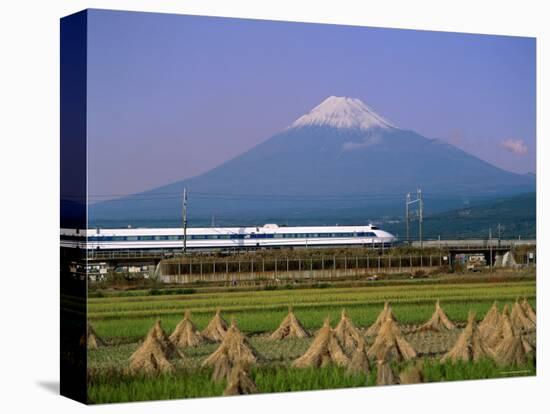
{"x":184,"y":216}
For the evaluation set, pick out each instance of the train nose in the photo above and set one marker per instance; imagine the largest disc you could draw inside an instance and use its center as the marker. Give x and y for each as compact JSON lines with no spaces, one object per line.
{"x":389,"y":237}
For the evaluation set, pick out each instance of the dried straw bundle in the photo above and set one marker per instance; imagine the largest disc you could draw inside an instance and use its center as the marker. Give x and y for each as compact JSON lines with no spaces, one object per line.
{"x":324,"y":349}
{"x":234,"y":349}
{"x":290,"y":327}
{"x":347,"y":334}
{"x":216,"y":328}
{"x":154,"y":354}
{"x":510,"y":351}
{"x":168,"y":347}
{"x":502,"y":330}
{"x":93,"y":341}
{"x":239,"y":382}
{"x":413,"y":374}
{"x":391,"y":344}
{"x":469,"y":345}
{"x":384,"y":372}
{"x":509,"y":347}
{"x":529,"y":311}
{"x":519,"y":319}
{"x":359,"y":363}
{"x":386,"y":313}
{"x":489,"y":325}
{"x":222,"y":368}
{"x":438,"y":322}
{"x":186,"y":333}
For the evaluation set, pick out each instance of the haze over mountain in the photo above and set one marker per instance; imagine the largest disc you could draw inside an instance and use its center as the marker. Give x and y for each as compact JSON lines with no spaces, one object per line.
{"x":341,"y":162}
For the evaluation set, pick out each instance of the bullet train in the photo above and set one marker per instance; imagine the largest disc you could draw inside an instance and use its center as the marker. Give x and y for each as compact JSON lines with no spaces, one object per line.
{"x":269,"y":235}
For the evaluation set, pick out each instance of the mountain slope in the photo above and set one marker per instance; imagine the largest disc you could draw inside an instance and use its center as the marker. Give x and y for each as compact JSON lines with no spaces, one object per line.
{"x":339,"y":156}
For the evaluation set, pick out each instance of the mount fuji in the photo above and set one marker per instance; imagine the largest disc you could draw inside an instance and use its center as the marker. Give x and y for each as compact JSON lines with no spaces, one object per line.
{"x":339,"y":162}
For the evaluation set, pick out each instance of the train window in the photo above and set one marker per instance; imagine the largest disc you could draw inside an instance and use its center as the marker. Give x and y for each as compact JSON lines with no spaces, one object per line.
{"x":131,"y":238}
{"x":145,"y":237}
{"x":174,"y":237}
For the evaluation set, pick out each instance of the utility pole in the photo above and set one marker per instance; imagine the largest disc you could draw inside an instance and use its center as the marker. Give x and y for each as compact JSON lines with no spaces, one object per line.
{"x":421,"y":207}
{"x":490,"y":250}
{"x":407,"y":202}
{"x":420,"y":202}
{"x":498,"y":229}
{"x":184,"y":216}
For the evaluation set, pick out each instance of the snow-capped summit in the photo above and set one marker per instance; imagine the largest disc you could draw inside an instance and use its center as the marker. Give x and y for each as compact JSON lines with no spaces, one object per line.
{"x":342,"y":112}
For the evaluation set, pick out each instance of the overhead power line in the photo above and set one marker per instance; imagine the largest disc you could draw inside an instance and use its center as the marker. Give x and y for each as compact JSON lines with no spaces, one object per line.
{"x":255,"y":197}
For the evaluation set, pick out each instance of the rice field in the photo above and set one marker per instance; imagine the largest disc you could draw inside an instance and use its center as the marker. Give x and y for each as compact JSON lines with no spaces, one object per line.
{"x":128,"y":319}
{"x":123,"y":321}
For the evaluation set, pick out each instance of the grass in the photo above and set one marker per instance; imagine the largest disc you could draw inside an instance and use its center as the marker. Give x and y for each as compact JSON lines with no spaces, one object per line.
{"x":435,"y":371}
{"x":186,"y":383}
{"x":197,"y":383}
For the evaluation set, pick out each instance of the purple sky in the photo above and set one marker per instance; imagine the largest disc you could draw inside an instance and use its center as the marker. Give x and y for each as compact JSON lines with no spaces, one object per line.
{"x":171,"y":96}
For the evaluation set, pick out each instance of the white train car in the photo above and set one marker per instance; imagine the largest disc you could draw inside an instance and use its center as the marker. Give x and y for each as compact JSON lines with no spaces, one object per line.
{"x":269,"y":235}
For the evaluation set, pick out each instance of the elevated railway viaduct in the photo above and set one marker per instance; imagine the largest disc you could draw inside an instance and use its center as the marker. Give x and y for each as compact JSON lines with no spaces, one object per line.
{"x":201,"y":265}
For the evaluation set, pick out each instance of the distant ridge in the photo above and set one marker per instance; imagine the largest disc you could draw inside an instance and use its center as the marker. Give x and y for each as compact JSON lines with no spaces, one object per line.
{"x":516,"y":216}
